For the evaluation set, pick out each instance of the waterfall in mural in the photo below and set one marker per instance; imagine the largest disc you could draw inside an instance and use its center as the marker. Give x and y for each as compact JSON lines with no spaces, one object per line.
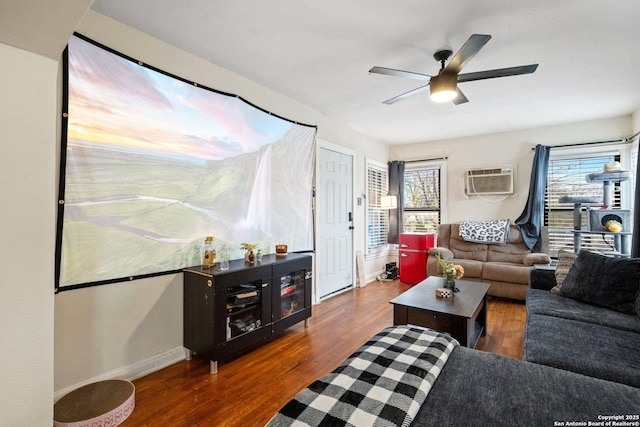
{"x":258,"y":215}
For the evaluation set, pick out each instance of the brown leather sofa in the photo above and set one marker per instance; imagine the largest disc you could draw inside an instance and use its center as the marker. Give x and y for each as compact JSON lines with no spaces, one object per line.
{"x":505,"y":267}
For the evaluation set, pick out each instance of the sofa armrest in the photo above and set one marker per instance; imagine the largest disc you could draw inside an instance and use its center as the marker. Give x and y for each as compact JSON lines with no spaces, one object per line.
{"x":536,"y":258}
{"x":542,"y":277}
{"x":444,"y":252}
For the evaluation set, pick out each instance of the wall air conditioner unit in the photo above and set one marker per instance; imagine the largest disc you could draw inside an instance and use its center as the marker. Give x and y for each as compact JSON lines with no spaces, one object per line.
{"x":498,"y":180}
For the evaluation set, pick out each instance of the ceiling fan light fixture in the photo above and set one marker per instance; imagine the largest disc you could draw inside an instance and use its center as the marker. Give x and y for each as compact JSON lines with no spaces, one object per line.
{"x":443,"y":87}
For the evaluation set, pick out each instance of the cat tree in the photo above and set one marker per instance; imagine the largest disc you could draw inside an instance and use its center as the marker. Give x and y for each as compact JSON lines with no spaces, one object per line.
{"x":597,"y":219}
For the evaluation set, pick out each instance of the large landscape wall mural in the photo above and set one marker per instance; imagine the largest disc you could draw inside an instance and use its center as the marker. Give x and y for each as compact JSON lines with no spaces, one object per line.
{"x":152,"y":164}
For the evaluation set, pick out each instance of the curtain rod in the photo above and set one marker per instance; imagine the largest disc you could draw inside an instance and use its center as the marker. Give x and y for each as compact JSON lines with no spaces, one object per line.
{"x":611,"y":141}
{"x":425,"y":160}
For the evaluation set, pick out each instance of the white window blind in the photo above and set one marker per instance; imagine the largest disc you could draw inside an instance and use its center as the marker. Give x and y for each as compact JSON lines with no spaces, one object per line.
{"x":377,"y":218}
{"x":566,"y":177}
{"x":422,"y":190}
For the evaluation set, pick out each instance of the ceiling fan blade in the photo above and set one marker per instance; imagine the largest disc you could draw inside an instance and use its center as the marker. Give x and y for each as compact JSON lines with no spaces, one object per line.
{"x":399,"y":73}
{"x":500,"y":72}
{"x":406,"y":95}
{"x":467,"y":52}
{"x":460,"y":98}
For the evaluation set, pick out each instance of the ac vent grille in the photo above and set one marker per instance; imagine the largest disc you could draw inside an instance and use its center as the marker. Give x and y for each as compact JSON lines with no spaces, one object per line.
{"x":484,"y":171}
{"x":489,"y":181}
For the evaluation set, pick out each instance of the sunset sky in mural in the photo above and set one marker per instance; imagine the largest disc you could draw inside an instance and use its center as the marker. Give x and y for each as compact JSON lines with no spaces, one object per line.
{"x":126,"y":106}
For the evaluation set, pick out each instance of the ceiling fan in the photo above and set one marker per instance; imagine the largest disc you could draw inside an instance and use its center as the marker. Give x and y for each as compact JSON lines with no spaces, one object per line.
{"x":444,"y":86}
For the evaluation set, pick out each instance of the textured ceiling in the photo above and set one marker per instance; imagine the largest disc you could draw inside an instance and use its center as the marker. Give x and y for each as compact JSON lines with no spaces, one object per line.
{"x":320,"y":52}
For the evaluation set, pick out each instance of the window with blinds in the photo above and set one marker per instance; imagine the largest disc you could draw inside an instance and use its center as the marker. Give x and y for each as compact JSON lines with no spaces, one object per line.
{"x":422,"y":190}
{"x":377,"y":218}
{"x":566,"y":177}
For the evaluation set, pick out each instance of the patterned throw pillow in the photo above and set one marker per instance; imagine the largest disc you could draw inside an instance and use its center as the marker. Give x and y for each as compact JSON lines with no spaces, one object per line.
{"x":565,"y":262}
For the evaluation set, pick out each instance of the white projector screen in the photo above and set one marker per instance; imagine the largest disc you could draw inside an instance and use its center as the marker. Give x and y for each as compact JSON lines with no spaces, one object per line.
{"x":152,"y":164}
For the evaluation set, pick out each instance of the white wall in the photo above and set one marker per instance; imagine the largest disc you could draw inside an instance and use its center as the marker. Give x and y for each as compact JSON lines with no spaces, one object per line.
{"x":27,"y":230}
{"x":503,"y":148}
{"x":122,"y":330}
{"x":125,"y":329}
{"x":636,"y":121}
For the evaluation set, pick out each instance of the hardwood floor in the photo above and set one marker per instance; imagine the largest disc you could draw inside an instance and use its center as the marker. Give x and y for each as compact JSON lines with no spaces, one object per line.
{"x":250,"y":389}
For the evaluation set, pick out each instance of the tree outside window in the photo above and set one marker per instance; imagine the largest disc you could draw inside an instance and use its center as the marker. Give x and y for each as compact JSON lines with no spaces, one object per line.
{"x":422,"y":199}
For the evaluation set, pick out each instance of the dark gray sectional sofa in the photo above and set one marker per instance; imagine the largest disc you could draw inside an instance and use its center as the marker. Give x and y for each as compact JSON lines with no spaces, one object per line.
{"x":476,"y":388}
{"x":568,"y":333}
{"x":581,"y":359}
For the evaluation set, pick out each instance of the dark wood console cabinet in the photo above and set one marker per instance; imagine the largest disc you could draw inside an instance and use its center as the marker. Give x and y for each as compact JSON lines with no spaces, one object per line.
{"x":228,"y":312}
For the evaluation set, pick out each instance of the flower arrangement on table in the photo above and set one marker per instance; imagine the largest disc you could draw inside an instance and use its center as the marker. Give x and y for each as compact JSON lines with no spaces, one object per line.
{"x":450,"y":271}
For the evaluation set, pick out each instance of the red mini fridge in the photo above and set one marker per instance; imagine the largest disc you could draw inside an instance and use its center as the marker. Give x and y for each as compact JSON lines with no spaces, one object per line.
{"x":413,"y":256}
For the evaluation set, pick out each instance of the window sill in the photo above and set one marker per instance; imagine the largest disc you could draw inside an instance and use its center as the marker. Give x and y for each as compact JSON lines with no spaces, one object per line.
{"x":378,"y":253}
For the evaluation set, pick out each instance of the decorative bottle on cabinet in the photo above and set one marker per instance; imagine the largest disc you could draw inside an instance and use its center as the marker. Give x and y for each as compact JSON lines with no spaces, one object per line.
{"x":224,"y":258}
{"x":208,"y":253}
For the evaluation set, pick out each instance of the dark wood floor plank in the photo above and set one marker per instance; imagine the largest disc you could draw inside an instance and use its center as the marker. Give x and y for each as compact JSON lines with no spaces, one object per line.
{"x":250,"y":389}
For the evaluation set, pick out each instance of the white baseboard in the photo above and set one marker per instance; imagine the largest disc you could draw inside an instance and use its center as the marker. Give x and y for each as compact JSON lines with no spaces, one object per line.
{"x":131,"y":372}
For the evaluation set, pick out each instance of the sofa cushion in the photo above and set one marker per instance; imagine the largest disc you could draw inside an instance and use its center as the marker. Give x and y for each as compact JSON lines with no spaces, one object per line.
{"x":444,"y":253}
{"x":544,"y":302}
{"x":505,"y":272}
{"x":463,"y":249}
{"x":605,"y":281}
{"x":536,"y":258}
{"x":471,"y":268}
{"x":512,"y":252}
{"x":484,"y":389}
{"x":542,"y":277}
{"x":565,"y":262}
{"x":468,"y":250}
{"x":444,"y":235}
{"x":586,"y":348}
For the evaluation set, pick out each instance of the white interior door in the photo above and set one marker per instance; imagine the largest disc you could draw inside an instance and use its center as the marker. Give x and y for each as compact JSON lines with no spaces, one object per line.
{"x":334,"y":197}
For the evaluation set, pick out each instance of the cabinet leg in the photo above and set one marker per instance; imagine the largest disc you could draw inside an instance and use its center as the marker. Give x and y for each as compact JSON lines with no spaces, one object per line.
{"x":213,"y":366}
{"x":189,"y":354}
{"x":307,"y":322}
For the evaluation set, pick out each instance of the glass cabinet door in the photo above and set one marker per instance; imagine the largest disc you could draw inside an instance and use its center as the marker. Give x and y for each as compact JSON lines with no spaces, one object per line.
{"x":292,"y":292}
{"x":244,"y":308}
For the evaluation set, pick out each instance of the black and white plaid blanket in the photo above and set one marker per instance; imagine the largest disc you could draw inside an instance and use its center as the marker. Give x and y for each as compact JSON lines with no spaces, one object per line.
{"x":383,"y":383}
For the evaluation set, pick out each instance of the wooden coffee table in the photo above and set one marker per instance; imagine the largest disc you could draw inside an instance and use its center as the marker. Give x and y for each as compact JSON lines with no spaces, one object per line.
{"x":463,"y":316}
